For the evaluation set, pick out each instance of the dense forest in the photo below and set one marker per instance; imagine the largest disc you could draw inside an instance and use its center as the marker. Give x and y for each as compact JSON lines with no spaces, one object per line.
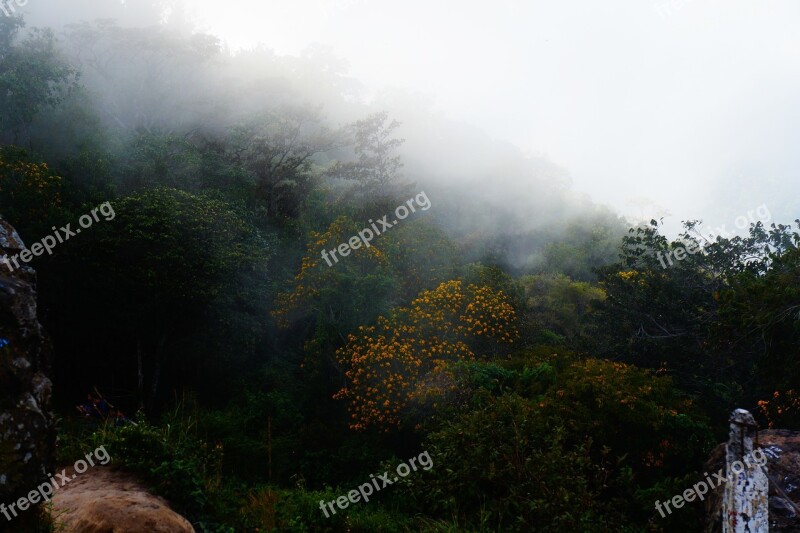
{"x":287,"y":289}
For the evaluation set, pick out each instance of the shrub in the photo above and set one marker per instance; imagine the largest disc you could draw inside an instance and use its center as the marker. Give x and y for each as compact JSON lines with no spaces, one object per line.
{"x":176,"y":464}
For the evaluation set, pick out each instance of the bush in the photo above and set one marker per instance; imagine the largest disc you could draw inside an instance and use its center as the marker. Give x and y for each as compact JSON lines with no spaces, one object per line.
{"x":498,"y":466}
{"x":298,"y":511}
{"x":552,"y":445}
{"x":176,"y":464}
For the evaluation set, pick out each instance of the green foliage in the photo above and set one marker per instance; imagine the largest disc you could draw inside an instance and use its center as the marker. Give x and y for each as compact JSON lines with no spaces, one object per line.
{"x":668,"y":317}
{"x":346,"y":293}
{"x":587,"y":244}
{"x":298,"y":511}
{"x":664,"y":433}
{"x":558,"y":310}
{"x":170,"y":458}
{"x":157,"y":160}
{"x":278,"y":151}
{"x":179,"y":261}
{"x":222,"y":212}
{"x":529,"y":380}
{"x":174,"y":246}
{"x":759,"y":318}
{"x":690,"y":517}
{"x":421,"y":254}
{"x":499,"y":464}
{"x":31,"y":194}
{"x":33,"y":77}
{"x":538,"y":445}
{"x":376,"y":168}
{"x":88,"y":178}
{"x":497,"y":279}
{"x":244,"y":425}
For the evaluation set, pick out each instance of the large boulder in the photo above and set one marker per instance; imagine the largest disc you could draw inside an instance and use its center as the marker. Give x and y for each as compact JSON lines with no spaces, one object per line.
{"x":27,"y":430}
{"x":102,"y":500}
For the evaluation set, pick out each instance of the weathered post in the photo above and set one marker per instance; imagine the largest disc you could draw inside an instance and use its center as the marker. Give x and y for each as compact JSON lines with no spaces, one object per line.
{"x":745,"y":504}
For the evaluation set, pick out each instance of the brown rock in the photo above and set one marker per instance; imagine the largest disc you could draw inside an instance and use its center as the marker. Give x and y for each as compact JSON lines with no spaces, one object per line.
{"x":27,"y":434}
{"x":102,"y":500}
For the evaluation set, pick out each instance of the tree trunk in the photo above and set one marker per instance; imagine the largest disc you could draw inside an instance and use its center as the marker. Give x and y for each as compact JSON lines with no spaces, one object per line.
{"x":269,"y":449}
{"x":157,"y":370}
{"x":140,"y":387}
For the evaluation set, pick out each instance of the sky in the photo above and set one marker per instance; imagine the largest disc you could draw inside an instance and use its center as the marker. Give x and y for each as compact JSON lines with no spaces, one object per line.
{"x":684,"y":108}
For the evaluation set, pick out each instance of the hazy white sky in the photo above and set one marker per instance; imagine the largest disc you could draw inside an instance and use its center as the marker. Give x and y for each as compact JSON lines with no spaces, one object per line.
{"x":677,"y":102}
{"x":691,"y":105}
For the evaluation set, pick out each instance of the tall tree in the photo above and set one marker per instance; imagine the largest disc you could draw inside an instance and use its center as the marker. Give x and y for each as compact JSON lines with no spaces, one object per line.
{"x":278,"y":151}
{"x":33,"y":77}
{"x":377,"y":166}
{"x":405,"y":357}
{"x":147,"y":80}
{"x":153,"y":275}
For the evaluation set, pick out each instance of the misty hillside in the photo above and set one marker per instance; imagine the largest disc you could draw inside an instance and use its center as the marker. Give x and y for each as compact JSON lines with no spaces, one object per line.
{"x":351,"y":266}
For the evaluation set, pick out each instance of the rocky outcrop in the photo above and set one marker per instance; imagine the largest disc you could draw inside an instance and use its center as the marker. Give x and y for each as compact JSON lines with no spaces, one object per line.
{"x":102,"y":500}
{"x":782,"y":448}
{"x":27,"y":434}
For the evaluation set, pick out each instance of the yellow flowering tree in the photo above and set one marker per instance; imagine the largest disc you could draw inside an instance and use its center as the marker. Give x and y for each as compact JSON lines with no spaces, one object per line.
{"x":30,"y":192}
{"x":405,"y":358}
{"x":783,"y":409}
{"x":342,"y":291}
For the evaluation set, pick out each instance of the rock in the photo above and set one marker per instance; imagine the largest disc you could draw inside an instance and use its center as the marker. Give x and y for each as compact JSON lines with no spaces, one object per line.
{"x":27,"y":430}
{"x":782,"y":448}
{"x":102,"y":500}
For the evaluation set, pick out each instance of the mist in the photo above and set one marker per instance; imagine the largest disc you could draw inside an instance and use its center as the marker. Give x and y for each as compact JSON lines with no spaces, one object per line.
{"x":337,"y":233}
{"x":656,"y":108}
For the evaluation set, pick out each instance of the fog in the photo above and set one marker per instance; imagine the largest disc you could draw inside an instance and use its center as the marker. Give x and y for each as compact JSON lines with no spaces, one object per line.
{"x":682,"y":109}
{"x":337,"y":234}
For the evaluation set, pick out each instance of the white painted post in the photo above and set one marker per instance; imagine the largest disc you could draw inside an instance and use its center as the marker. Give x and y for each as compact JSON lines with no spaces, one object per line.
{"x":745,"y":503}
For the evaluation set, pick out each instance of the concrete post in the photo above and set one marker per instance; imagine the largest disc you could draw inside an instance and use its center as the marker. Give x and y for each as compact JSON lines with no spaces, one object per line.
{"x":745,"y":504}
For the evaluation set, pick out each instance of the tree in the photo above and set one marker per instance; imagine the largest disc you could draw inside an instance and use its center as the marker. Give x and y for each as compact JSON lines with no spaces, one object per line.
{"x":33,"y":77}
{"x":154,"y":276}
{"x":30,"y":193}
{"x":664,"y":313}
{"x":376,"y":168}
{"x":341,"y":295}
{"x":154,"y":160}
{"x":590,"y":452}
{"x":759,"y":320}
{"x":147,"y":80}
{"x":505,"y":471}
{"x":585,"y":245}
{"x":406,"y":356}
{"x":559,"y":306}
{"x":278,"y":151}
